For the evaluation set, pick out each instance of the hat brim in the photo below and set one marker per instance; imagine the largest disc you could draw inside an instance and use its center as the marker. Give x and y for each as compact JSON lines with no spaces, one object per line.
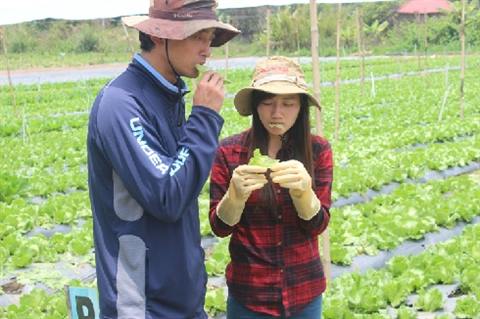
{"x":243,"y":98}
{"x":180,"y":30}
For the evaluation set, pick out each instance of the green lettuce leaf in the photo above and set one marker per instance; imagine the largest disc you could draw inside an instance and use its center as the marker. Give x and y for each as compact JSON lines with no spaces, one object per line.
{"x":202,"y":69}
{"x":261,"y":160}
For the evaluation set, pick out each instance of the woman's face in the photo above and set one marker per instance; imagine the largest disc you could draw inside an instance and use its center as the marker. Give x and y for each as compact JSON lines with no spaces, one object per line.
{"x":279,"y":112}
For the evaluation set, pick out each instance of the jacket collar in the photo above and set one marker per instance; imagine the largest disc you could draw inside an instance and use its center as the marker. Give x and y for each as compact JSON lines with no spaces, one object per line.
{"x":181,"y":89}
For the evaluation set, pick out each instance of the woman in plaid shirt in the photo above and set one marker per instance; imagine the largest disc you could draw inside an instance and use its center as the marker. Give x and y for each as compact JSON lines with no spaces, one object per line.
{"x":274,"y":215}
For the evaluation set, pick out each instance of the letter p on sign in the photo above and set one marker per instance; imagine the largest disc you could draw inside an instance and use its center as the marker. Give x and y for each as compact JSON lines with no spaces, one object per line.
{"x":82,"y":303}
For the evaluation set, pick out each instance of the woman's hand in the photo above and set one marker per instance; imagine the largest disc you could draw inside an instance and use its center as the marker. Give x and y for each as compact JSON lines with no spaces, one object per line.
{"x":245,"y":179}
{"x":293,"y":175}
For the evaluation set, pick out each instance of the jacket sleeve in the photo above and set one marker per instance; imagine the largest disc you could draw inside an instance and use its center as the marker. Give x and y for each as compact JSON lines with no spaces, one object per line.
{"x":323,"y":171}
{"x":219,"y":182}
{"x":164,"y":185}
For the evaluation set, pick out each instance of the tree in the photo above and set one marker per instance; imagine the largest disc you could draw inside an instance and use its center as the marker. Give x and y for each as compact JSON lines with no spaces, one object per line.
{"x":375,"y":30}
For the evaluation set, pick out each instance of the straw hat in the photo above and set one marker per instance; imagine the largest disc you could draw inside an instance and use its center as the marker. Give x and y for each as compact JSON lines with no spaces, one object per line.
{"x":179,"y":19}
{"x":276,"y":75}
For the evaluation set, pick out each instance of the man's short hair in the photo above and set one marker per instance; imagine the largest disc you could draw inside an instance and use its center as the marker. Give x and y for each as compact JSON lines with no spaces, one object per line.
{"x":146,"y":43}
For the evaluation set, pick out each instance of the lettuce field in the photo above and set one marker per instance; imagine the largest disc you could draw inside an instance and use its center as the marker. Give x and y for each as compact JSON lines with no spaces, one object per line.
{"x":405,"y":225}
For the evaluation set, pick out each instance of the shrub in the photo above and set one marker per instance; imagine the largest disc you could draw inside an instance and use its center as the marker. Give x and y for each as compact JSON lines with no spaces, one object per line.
{"x":18,"y":46}
{"x":88,"y":43}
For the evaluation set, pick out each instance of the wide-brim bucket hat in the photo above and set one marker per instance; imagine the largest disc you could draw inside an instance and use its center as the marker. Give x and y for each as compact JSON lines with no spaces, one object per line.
{"x":179,"y":19}
{"x":276,"y":75}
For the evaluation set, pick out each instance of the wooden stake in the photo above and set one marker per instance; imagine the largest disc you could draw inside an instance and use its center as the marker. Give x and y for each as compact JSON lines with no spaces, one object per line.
{"x":268,"y":31}
{"x":337,"y":80}
{"x":444,"y":102}
{"x":447,"y":67}
{"x":425,"y":40}
{"x":316,"y":64}
{"x":69,"y":305}
{"x":326,"y":259}
{"x":361,"y":49}
{"x":297,"y":37}
{"x":24,"y":126}
{"x":445,"y":96}
{"x":373,"y":92}
{"x":3,"y":35}
{"x":462,"y":66}
{"x":226,"y":56}
{"x":225,"y":76}
{"x":417,"y":51}
{"x":127,"y":35}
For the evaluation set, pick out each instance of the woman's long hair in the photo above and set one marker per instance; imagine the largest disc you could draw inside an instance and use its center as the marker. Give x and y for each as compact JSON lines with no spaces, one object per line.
{"x":296,"y":143}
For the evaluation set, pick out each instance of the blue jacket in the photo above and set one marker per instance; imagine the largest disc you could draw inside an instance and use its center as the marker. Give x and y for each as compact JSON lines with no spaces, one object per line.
{"x":146,"y":169}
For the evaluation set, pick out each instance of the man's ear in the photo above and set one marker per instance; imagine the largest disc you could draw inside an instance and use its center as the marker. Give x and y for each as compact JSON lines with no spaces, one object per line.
{"x":157,"y":41}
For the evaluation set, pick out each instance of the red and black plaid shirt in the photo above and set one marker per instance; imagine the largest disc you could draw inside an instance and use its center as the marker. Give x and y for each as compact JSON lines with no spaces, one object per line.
{"x":275,"y":266}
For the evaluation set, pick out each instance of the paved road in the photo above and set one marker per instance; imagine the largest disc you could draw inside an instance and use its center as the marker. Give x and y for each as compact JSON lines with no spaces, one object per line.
{"x":112,"y":70}
{"x":96,"y":71}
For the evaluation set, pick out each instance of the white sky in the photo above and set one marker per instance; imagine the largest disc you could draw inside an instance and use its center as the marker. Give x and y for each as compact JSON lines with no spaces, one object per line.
{"x":16,"y":11}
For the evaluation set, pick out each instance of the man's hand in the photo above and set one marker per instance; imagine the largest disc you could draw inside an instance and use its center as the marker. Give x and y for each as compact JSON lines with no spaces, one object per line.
{"x":210,"y":91}
{"x":245,"y":179}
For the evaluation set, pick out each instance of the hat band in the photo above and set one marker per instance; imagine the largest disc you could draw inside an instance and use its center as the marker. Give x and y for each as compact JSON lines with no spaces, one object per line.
{"x":186,"y":13}
{"x":278,"y":77}
{"x":183,"y":16}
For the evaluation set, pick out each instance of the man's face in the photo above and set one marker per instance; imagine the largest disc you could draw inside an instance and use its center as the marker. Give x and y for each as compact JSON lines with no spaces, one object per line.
{"x":194,"y":50}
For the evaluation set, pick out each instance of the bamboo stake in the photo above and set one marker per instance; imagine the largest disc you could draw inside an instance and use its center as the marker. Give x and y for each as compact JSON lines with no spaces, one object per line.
{"x":417,"y":51}
{"x":268,"y":31}
{"x":445,"y":96}
{"x":447,"y":67}
{"x":69,"y":304}
{"x":373,"y":92}
{"x":337,"y":80}
{"x":24,"y":125}
{"x":3,"y":36}
{"x":316,"y":64}
{"x":462,"y":67}
{"x":225,"y":76}
{"x":444,"y":102}
{"x":297,"y":36}
{"x":227,"y":53}
{"x":127,"y":35}
{"x":326,"y":259}
{"x":425,"y":39}
{"x":416,"y":55}
{"x":361,"y":49}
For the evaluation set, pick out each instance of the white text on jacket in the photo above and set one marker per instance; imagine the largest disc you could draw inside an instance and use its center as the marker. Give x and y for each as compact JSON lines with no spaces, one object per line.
{"x":137,"y":131}
{"x":180,"y":161}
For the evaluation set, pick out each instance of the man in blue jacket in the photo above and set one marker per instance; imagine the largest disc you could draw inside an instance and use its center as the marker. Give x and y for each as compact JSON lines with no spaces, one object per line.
{"x":147,"y":165}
